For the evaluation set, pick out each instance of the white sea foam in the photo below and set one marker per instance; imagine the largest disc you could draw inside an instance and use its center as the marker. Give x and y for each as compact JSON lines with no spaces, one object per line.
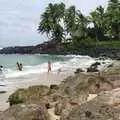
{"x":11,"y":75}
{"x":72,"y":64}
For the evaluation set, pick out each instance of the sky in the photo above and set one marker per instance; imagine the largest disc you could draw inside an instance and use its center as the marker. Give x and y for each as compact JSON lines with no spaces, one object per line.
{"x":19,"y":19}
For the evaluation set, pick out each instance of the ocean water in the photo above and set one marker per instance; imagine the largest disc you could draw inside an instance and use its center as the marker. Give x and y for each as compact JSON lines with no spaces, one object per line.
{"x":36,"y":64}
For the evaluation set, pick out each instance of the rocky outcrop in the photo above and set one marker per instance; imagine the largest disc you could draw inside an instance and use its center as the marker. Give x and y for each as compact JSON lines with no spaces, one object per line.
{"x":17,"y":49}
{"x":93,"y":67}
{"x":51,"y":47}
{"x":73,"y":91}
{"x":79,"y":70}
{"x":30,"y":95}
{"x":25,"y":112}
{"x":106,"y":106}
{"x":44,"y":48}
{"x":93,"y":110}
{"x":113,"y":53}
{"x":84,"y":96}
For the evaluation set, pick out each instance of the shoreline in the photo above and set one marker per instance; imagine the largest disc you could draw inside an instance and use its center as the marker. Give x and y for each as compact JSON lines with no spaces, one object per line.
{"x":113,"y":53}
{"x":31,"y":80}
{"x":40,"y":79}
{"x":81,"y":89}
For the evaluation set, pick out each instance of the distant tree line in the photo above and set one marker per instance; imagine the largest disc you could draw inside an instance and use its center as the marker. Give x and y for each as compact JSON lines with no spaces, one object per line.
{"x":61,"y":23}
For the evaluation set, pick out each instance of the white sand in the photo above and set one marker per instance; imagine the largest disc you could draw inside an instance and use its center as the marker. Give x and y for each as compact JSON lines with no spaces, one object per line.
{"x":41,"y":79}
{"x":52,"y":115}
{"x":91,"y":96}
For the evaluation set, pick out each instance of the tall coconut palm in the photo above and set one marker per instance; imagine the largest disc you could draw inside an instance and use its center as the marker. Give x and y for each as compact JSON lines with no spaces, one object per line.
{"x":51,"y":21}
{"x":80,"y":33}
{"x":113,"y":18}
{"x":45,"y":25}
{"x":76,"y":23}
{"x":81,"y":25}
{"x":70,"y":19}
{"x":97,"y":17}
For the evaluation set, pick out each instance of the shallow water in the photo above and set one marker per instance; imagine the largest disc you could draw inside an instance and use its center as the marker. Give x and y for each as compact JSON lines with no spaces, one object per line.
{"x":36,"y":64}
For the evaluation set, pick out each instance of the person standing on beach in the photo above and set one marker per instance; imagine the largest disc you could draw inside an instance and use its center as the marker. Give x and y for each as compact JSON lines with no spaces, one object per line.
{"x":49,"y":66}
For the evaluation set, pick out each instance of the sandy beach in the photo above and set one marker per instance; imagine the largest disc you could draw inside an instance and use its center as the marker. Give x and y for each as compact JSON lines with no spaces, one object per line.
{"x":36,"y":79}
{"x":82,"y":91}
{"x":26,"y":81}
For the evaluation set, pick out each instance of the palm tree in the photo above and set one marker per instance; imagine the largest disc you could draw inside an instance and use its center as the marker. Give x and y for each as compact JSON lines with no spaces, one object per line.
{"x":97,"y":17}
{"x":113,"y":18}
{"x":51,"y":21}
{"x":80,"y":33}
{"x":81,"y":25}
{"x":70,"y":19}
{"x":76,"y":23}
{"x":45,"y":25}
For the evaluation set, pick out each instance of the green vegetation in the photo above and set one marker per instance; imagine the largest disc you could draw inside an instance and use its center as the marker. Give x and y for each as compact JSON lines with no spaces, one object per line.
{"x":111,"y":44}
{"x":18,"y":97}
{"x":50,"y":23}
{"x":28,"y":95}
{"x":101,"y":27}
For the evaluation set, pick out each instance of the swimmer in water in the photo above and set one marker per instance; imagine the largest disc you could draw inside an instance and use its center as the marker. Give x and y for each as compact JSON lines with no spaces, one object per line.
{"x":49,"y":66}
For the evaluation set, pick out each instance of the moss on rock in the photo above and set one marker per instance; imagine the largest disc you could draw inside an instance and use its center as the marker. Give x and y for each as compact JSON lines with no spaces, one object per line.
{"x":33,"y":93}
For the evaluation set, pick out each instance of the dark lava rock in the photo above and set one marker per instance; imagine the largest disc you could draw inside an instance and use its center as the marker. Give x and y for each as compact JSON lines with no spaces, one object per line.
{"x":93,"y":67}
{"x":17,"y":49}
{"x":111,"y":65}
{"x":79,"y":70}
{"x":51,"y":47}
{"x":54,"y":86}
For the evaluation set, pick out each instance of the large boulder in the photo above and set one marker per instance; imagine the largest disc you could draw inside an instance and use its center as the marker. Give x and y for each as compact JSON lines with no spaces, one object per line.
{"x":106,"y":106}
{"x":93,"y":110}
{"x":110,"y":97}
{"x":31,"y":95}
{"x":25,"y":112}
{"x":82,"y":84}
{"x":75,"y":91}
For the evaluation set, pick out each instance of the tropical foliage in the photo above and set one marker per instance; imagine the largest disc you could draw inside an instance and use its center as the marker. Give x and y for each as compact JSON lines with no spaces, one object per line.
{"x":113,"y":19}
{"x":61,"y":23}
{"x":51,"y":21}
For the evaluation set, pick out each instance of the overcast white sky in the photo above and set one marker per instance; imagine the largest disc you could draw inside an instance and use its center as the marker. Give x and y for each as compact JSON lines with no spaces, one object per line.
{"x":19,"y":19}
